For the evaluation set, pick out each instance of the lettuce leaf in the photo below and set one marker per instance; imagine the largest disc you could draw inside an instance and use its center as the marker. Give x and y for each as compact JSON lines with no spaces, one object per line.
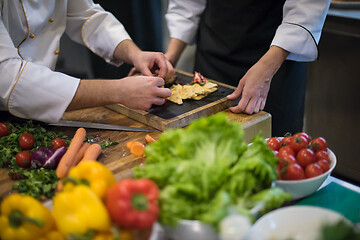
{"x":203,"y":169}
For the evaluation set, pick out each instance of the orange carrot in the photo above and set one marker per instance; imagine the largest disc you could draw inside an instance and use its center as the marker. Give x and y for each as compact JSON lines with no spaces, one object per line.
{"x":128,"y":145}
{"x":68,"y":159}
{"x":92,"y":153}
{"x":59,"y":186}
{"x":81,"y":153}
{"x":149,"y":139}
{"x":137,"y":149}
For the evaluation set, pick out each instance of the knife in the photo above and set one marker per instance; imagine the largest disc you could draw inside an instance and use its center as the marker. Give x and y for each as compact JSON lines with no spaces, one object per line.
{"x":63,"y":123}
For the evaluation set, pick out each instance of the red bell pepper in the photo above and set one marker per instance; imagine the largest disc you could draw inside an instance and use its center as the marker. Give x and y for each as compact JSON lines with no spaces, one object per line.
{"x":133,"y":203}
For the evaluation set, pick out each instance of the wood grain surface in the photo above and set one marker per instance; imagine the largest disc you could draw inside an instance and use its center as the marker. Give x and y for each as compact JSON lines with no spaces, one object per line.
{"x":117,"y":158}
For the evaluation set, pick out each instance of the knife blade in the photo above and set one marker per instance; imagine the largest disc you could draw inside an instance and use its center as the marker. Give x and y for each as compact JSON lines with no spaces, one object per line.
{"x":64,"y":123}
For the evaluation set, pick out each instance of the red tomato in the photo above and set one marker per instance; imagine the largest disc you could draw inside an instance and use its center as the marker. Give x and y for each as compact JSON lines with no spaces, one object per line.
{"x":298,"y":143}
{"x":58,"y":143}
{"x":324,"y":164}
{"x":286,"y":160}
{"x":305,"y":135}
{"x":322,"y":154}
{"x":273,"y":143}
{"x":23,"y":159}
{"x":285,"y":141}
{"x":318,"y":144}
{"x":305,"y":156}
{"x":287,"y":150}
{"x":313,"y":170}
{"x":278,"y":170}
{"x":26,"y":141}
{"x":294,"y":172}
{"x":4,"y":130}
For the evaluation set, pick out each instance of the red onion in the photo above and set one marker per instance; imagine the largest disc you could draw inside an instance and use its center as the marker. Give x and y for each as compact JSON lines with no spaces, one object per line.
{"x":46,"y":157}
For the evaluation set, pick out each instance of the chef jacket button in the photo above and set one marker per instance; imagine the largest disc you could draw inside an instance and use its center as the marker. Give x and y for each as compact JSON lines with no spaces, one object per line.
{"x":51,"y":20}
{"x":32,"y":35}
{"x":56,"y":52}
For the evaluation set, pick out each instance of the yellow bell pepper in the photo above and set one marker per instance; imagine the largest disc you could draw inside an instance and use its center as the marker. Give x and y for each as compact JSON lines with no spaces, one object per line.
{"x":79,"y":210}
{"x":24,"y":218}
{"x":53,"y":235}
{"x":94,"y":174}
{"x":114,"y":234}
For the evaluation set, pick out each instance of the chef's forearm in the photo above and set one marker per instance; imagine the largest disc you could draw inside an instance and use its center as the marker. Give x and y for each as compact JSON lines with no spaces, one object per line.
{"x":93,"y":93}
{"x":175,"y":48}
{"x":126,"y":50}
{"x":273,"y":59}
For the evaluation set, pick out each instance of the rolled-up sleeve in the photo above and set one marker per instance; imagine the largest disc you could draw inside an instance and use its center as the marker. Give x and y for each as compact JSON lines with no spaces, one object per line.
{"x":300,"y":30}
{"x":183,"y":18}
{"x":89,"y":24}
{"x":31,"y":91}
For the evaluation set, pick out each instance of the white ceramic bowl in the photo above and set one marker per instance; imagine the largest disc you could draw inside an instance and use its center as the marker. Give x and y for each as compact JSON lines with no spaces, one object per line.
{"x":302,"y":188}
{"x":294,"y":222}
{"x":190,"y":229}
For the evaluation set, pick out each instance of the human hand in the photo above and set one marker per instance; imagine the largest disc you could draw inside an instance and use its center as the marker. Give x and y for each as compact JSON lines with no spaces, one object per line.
{"x":254,"y":86}
{"x":152,"y":62}
{"x":141,"y":92}
{"x":253,"y":89}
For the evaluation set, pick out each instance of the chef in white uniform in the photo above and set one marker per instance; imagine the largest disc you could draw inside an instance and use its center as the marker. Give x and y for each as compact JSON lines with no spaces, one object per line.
{"x":252,"y":44}
{"x":30,"y":32}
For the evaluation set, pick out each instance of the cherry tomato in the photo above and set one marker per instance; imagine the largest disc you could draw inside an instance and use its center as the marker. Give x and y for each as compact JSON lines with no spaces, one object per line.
{"x":294,"y":172}
{"x":298,"y":143}
{"x":313,"y":170}
{"x":23,"y":159}
{"x":318,"y":144}
{"x":285,"y":141}
{"x":58,"y":143}
{"x":286,"y":160}
{"x":287,"y":150}
{"x":26,"y":141}
{"x":273,"y":143}
{"x":305,"y":156}
{"x":324,"y":164}
{"x":4,"y":130}
{"x":322,"y":154}
{"x":305,"y":135}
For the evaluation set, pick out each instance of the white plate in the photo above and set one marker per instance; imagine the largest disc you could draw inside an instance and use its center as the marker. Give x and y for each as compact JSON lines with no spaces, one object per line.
{"x":295,"y":222}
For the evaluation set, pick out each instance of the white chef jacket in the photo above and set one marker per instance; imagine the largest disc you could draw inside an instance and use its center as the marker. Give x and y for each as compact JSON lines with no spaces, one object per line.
{"x":299,"y":33}
{"x":30,"y":32}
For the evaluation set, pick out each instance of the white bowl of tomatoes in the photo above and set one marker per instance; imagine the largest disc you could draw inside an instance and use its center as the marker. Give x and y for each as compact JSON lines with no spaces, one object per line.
{"x":304,"y":163}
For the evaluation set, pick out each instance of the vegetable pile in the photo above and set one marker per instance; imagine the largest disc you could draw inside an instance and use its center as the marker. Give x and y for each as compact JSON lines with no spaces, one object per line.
{"x":299,"y":156}
{"x":32,"y":155}
{"x":207,"y":168}
{"x":17,"y":144}
{"x":91,"y":205}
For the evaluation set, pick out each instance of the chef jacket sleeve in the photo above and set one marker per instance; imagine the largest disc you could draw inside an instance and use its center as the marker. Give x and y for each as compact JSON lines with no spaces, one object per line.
{"x":183,"y":18}
{"x":89,"y":24}
{"x":300,"y":30}
{"x":31,"y":91}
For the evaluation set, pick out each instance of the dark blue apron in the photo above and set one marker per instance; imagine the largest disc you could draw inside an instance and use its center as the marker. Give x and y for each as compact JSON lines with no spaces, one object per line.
{"x":233,"y":36}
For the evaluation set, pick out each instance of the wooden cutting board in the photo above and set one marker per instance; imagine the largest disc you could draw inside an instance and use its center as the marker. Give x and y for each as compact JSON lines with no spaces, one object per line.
{"x":172,"y":115}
